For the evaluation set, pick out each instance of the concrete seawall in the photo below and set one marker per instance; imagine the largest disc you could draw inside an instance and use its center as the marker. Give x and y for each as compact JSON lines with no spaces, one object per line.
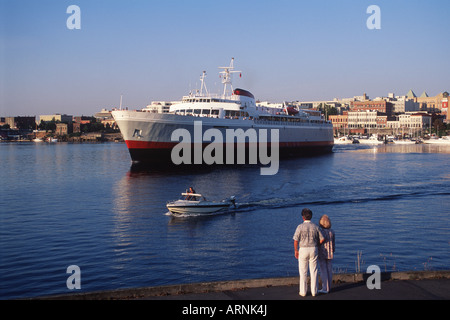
{"x":211,"y":288}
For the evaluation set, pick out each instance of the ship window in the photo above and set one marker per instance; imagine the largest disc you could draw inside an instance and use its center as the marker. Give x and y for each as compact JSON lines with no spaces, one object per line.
{"x":205,"y":111}
{"x":197,"y":111}
{"x":215,"y":112}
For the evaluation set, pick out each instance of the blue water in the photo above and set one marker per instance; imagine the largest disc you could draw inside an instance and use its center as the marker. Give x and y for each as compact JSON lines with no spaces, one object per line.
{"x":84,"y":204}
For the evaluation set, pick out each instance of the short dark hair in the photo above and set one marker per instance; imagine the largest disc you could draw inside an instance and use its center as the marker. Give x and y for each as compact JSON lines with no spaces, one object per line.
{"x":307,"y":214}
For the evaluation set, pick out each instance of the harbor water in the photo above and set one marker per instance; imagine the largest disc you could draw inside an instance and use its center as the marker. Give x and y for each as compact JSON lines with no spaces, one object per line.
{"x":86,"y":205}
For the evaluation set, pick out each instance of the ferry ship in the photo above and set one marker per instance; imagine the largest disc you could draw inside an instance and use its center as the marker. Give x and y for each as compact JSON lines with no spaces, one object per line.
{"x":148,"y":134}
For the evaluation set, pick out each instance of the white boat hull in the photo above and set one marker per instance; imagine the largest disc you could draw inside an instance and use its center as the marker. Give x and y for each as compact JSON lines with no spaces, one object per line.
{"x":184,"y":207}
{"x":438,"y":141}
{"x":404,"y":142}
{"x":343,"y":141}
{"x":370,"y":141}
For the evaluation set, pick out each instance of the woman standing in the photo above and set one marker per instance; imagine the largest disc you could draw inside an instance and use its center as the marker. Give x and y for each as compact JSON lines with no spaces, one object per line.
{"x":326,"y":253}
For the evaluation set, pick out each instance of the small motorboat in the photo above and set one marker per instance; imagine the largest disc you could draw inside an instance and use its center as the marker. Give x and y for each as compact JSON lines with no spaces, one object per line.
{"x":196,"y":204}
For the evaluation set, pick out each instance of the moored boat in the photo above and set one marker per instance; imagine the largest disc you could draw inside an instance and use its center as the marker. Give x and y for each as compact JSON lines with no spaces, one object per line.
{"x":435,"y":140}
{"x":404,"y":141}
{"x":343,"y":140}
{"x":373,"y":139}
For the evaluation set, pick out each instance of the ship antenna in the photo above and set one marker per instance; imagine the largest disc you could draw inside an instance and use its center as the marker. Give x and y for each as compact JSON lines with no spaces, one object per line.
{"x":227,"y":79}
{"x":202,"y":79}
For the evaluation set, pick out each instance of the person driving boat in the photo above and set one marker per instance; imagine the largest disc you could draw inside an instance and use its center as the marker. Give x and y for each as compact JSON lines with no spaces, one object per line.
{"x":191,"y":191}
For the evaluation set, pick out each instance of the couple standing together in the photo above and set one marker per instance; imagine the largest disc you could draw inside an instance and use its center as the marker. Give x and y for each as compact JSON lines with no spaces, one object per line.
{"x":314,"y":245}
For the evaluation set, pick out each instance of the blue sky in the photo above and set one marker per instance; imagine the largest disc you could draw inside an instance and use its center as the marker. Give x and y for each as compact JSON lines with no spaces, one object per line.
{"x":156,"y":50}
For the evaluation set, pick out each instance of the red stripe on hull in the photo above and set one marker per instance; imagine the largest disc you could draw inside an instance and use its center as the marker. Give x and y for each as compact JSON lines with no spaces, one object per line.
{"x":131,"y":144}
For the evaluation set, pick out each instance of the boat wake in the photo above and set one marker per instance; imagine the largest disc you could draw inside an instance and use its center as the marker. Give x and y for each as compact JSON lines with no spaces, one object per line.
{"x":196,"y":215}
{"x":279,"y":203}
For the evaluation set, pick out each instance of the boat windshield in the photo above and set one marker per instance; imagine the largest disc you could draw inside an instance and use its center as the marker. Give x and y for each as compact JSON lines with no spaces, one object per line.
{"x":191,"y":196}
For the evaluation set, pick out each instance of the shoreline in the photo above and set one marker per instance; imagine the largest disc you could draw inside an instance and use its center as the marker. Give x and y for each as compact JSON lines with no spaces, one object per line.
{"x":93,"y":137}
{"x":179,"y":291}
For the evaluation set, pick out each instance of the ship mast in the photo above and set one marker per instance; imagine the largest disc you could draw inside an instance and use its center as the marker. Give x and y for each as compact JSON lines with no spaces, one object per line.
{"x":202,"y":79}
{"x":227,"y":79}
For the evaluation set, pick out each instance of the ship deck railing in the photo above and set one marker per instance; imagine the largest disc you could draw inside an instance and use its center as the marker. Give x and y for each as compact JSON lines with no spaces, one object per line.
{"x":314,"y":123}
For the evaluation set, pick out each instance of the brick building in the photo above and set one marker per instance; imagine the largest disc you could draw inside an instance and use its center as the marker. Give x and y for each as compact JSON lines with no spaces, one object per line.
{"x":382,"y":106}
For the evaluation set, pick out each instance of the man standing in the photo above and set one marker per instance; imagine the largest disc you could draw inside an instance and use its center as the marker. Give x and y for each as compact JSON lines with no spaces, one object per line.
{"x":307,"y":238}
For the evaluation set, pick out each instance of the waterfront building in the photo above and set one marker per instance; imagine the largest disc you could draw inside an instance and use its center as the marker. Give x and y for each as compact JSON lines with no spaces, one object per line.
{"x":76,"y":127}
{"x":410,"y":122}
{"x":414,"y":120}
{"x":316,"y":104}
{"x":444,"y":110}
{"x":104,"y":114}
{"x":340,"y":104}
{"x":21,"y":122}
{"x":340,"y":122}
{"x":411,"y":95}
{"x":430,"y":104}
{"x":62,"y":129}
{"x":82,"y":119}
{"x":105,"y":117}
{"x":402,"y":104}
{"x":366,"y":119}
{"x":56,"y":117}
{"x":380,"y":105}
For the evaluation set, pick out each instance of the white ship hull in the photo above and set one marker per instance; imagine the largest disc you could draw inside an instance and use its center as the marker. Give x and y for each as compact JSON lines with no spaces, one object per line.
{"x":148,"y":135}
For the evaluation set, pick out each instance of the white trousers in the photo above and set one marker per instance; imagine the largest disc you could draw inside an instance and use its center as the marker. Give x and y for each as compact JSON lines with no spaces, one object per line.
{"x":307,"y":257}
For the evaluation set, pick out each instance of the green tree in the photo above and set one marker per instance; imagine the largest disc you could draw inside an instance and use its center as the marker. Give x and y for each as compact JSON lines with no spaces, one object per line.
{"x":327,"y":110}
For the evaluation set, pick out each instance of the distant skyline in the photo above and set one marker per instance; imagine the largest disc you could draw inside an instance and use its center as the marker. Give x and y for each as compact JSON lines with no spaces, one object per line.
{"x":151,"y":50}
